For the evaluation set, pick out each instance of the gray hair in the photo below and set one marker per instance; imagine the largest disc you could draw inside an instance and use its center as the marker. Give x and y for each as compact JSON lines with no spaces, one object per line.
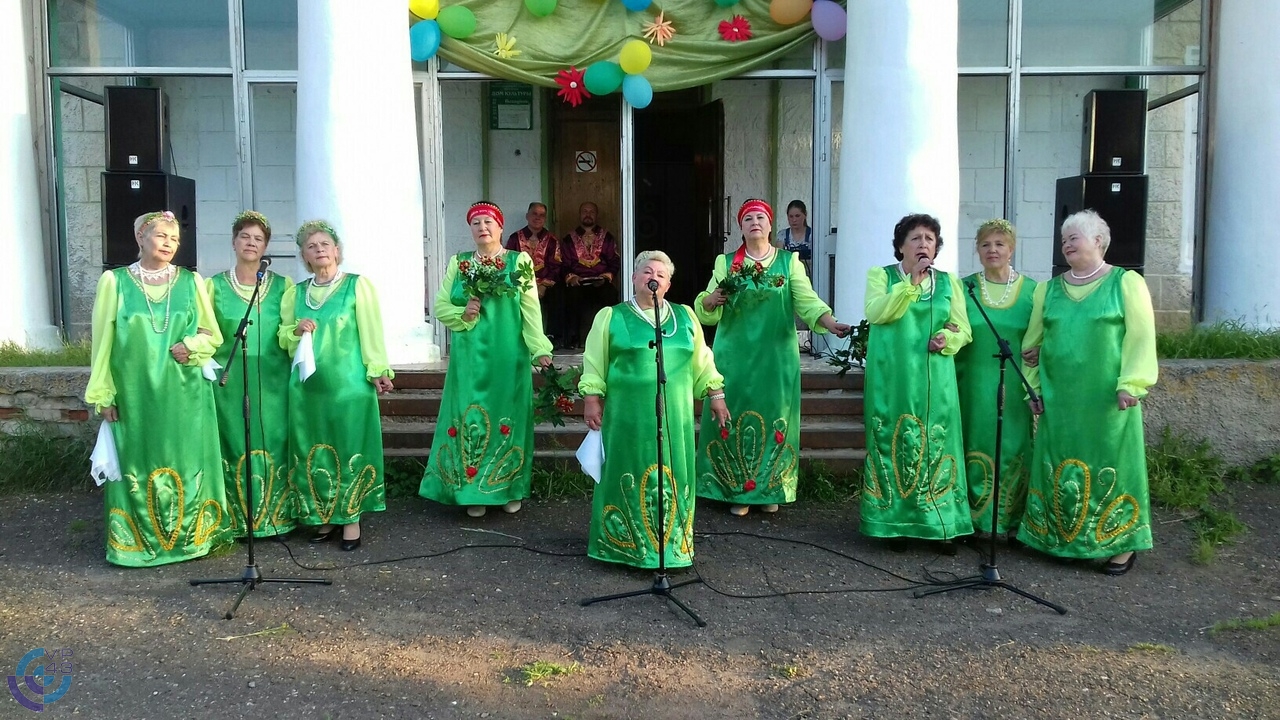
{"x":645,"y":257}
{"x":1091,"y":225}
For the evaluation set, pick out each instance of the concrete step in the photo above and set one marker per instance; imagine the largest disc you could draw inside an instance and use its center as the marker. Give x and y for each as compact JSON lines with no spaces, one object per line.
{"x":838,"y":460}
{"x":809,"y":380}
{"x":425,"y":403}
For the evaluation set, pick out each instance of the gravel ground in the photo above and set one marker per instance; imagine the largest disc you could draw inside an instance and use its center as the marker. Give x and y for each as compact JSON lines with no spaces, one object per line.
{"x":447,"y":636}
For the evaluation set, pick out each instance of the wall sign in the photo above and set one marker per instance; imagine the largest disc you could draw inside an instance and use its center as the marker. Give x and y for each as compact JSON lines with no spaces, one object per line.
{"x":584,"y":161}
{"x":510,"y":106}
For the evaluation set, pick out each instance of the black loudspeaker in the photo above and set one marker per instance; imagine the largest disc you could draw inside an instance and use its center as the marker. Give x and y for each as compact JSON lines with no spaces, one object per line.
{"x":137,"y":127}
{"x":1115,"y":132}
{"x":1121,"y":200}
{"x":125,"y":196}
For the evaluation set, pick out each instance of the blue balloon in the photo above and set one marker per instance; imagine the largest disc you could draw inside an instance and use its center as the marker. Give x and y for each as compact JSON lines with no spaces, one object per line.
{"x":424,"y":40}
{"x":636,"y":5}
{"x":637,"y":91}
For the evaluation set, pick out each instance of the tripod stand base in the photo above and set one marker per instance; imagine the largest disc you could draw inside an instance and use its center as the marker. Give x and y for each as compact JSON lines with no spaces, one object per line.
{"x":250,"y":579}
{"x":662,"y":586}
{"x":990,"y":579}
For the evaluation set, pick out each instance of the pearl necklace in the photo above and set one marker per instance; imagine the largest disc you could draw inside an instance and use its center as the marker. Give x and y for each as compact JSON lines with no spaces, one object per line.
{"x":666,"y":313}
{"x":762,"y":258}
{"x":1086,"y":277}
{"x":481,"y":256}
{"x":144,"y":274}
{"x":246,"y":291}
{"x":317,"y":305}
{"x":907,"y":276}
{"x":1013,"y":275}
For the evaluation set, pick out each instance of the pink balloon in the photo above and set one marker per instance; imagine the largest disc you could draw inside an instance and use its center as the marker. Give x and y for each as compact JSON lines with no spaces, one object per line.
{"x":829,"y":20}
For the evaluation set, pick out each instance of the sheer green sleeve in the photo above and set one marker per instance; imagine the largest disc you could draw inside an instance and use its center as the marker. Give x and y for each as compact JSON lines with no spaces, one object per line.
{"x":288,"y":320}
{"x":101,"y":391}
{"x":208,"y":339}
{"x":720,"y":272}
{"x":595,"y":356}
{"x":883,"y":305}
{"x":804,"y":300}
{"x":1139,"y":366}
{"x":959,"y":317}
{"x":373,"y":347}
{"x":705,"y":375}
{"x":531,"y":314}
{"x":444,"y":309}
{"x":1035,"y":333}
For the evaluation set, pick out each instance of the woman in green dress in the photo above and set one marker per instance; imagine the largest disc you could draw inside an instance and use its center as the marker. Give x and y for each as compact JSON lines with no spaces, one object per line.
{"x":618,"y":364}
{"x":335,"y":429}
{"x":1006,"y":296}
{"x":1095,"y":330}
{"x":914,"y":485}
{"x":153,"y":330}
{"x":482,"y":452}
{"x":267,"y":467}
{"x":755,"y":461}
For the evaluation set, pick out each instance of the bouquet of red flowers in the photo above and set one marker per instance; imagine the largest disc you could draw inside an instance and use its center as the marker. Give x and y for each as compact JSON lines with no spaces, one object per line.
{"x":486,"y":277}
{"x":556,"y":397}
{"x":745,"y":274}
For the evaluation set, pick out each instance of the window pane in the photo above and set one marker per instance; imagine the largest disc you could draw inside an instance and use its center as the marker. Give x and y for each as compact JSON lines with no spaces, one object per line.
{"x":1110,"y":32}
{"x":273,"y":121}
{"x":984,"y":33}
{"x":139,"y":33}
{"x":1172,"y":149}
{"x":271,"y":34}
{"x":982,"y":110}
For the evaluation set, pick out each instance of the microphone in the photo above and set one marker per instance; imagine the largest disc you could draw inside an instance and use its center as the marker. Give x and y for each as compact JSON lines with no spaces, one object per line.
{"x":652,"y":285}
{"x":262,"y":267}
{"x":969,"y":284}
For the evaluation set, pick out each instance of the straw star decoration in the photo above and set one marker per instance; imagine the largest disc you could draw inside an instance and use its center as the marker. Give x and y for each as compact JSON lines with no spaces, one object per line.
{"x":504,"y":46}
{"x":659,"y":31}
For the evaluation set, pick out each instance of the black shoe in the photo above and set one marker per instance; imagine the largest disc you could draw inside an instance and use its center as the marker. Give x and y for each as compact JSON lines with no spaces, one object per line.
{"x":350,"y":545}
{"x":948,"y":548}
{"x":324,"y":537}
{"x":1115,"y":568}
{"x":898,"y":544}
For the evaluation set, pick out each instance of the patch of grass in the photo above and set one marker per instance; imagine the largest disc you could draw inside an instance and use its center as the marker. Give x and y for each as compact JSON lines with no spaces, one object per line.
{"x":1231,"y":339}
{"x":819,"y":483}
{"x":69,"y":355}
{"x":39,"y":460}
{"x":595,"y":701}
{"x":403,"y":476}
{"x":1152,"y":648}
{"x":543,"y":672}
{"x":1186,"y":474}
{"x":224,"y":548}
{"x":1272,"y":620}
{"x":1265,"y":471}
{"x":78,"y":526}
{"x":1213,"y":528}
{"x":790,"y":672}
{"x":559,"y":481}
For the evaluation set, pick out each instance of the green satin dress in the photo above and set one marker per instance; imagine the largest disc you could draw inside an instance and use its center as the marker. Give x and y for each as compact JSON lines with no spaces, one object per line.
{"x":335,"y":429}
{"x":756,"y":349}
{"x":268,"y":366}
{"x":978,"y":375}
{"x":170,"y":506}
{"x":1088,"y":494}
{"x":482,"y":450}
{"x":624,"y":506}
{"x":914,"y":484}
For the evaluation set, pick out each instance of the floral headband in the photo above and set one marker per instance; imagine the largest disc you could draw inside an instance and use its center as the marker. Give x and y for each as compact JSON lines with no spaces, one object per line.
{"x":155,"y":217}
{"x":755,"y":205}
{"x":254,"y":217}
{"x":485,"y":208}
{"x":997,"y":225}
{"x":312,"y":227}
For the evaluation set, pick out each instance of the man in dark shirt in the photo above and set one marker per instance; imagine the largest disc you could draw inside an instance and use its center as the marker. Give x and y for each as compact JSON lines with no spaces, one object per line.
{"x":590,"y":265}
{"x":543,"y":247}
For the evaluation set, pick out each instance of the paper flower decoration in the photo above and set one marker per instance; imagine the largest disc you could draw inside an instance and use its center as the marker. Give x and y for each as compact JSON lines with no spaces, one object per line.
{"x":659,"y":31}
{"x":504,"y":46}
{"x":735,"y":30}
{"x":572,"y":89}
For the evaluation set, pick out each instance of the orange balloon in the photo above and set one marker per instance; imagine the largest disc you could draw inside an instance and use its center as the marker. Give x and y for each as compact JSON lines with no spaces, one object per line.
{"x":789,"y":12}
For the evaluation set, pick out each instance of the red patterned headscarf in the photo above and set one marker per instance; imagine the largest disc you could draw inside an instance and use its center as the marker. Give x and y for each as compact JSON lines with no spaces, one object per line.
{"x":485,"y":208}
{"x":755,"y":205}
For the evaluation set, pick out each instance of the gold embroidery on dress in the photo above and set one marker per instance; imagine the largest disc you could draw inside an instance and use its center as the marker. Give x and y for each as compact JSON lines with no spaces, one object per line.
{"x":166,"y":521}
{"x":1113,"y":519}
{"x":461,"y":459}
{"x":263,"y":486}
{"x":114,"y":530}
{"x":734,"y":463}
{"x":908,"y":464}
{"x":205,"y":528}
{"x":325,"y":503}
{"x":366,"y":480}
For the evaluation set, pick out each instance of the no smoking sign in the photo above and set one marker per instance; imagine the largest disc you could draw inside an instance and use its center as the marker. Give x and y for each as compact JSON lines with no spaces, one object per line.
{"x":585,"y":161}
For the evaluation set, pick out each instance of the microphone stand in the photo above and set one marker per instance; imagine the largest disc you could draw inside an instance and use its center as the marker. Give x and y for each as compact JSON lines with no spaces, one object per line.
{"x":251,"y":577}
{"x":662,"y":585}
{"x":990,"y":577}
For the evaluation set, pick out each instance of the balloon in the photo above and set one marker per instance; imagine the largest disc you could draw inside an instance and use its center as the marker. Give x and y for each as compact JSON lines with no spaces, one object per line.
{"x":540,"y":8}
{"x":425,"y":9}
{"x":602,"y":78}
{"x":789,"y":12}
{"x":635,"y":57}
{"x":636,"y":5}
{"x":424,"y":40}
{"x":828,"y":20}
{"x":726,"y":3}
{"x":457,"y":21}
{"x":637,"y":91}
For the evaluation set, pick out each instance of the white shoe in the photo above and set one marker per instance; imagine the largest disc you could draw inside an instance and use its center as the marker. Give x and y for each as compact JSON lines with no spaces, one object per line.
{"x":772,"y":508}
{"x":512,"y":507}
{"x":739,"y":510}
{"x":476,"y":510}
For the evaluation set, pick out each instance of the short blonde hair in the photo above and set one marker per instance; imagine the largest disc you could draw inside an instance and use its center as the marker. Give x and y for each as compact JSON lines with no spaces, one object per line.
{"x":311,"y":227}
{"x":143,"y":224}
{"x":1091,"y":225}
{"x":997,"y":225}
{"x":647,"y":256}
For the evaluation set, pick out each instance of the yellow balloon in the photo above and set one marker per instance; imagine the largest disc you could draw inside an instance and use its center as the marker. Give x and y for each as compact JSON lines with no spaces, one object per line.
{"x":635,"y":57}
{"x":425,"y":9}
{"x":789,"y":12}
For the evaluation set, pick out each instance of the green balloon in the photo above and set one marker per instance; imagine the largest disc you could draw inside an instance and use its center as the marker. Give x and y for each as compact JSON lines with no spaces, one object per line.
{"x":541,"y":8}
{"x":456,"y":21}
{"x":726,"y":3}
{"x":603,"y":78}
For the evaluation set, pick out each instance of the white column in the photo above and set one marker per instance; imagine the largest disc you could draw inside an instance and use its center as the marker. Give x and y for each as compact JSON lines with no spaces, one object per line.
{"x":1240,"y":263}
{"x":25,"y":280}
{"x":358,"y":155}
{"x":899,"y":150}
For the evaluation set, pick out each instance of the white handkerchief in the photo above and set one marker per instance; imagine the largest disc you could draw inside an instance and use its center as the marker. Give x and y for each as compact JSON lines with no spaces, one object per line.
{"x":591,"y":454}
{"x":104,"y":463}
{"x":210,"y":370}
{"x":305,"y":357}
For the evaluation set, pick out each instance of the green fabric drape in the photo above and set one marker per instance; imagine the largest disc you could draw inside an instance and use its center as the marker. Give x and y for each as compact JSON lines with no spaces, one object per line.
{"x":582,"y":33}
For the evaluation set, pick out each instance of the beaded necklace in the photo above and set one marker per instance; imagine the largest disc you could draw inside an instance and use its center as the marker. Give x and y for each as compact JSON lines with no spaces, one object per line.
{"x":982,"y":278}
{"x":246,"y":291}
{"x":332,"y":283}
{"x":139,"y":274}
{"x":666,"y":313}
